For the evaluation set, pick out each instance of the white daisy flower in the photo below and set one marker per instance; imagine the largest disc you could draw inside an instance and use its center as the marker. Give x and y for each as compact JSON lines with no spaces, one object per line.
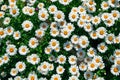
{"x":65,"y":33}
{"x":112,"y":58}
{"x":110,"y":22}
{"x":61,"y":59}
{"x":14,"y":12}
{"x":44,"y":26}
{"x":48,"y":50}
{"x":1,"y":61}
{"x":73,"y":16}
{"x":4,"y":7}
{"x":101,"y":32}
{"x":70,"y":27}
{"x":102,"y":47}
{"x":52,"y":9}
{"x":81,"y":23}
{"x":11,"y":49}
{"x":88,"y":75}
{"x":2,"y":14}
{"x":9,"y":30}
{"x":5,"y":58}
{"x":13,"y":72}
{"x":73,"y":78}
{"x":55,"y":77}
{"x":44,"y":66}
{"x":81,"y":53}
{"x":60,"y":70}
{"x":31,"y":11}
{"x":2,"y":33}
{"x":17,"y":35}
{"x":33,"y":43}
{"x":54,"y":32}
{"x":40,"y":5}
{"x":83,"y":41}
{"x":117,"y":52}
{"x":109,"y":38}
{"x":23,"y":50}
{"x":97,"y":60}
{"x":72,"y":59}
{"x":81,"y":10}
{"x":105,"y":5}
{"x":65,"y":2}
{"x":83,"y":67}
{"x":54,"y":43}
{"x":59,"y":16}
{"x":105,"y":16}
{"x":115,"y":70}
{"x":17,"y":78}
{"x":27,"y":25}
{"x":88,"y":27}
{"x":68,"y":46}
{"x":91,"y":52}
{"x":39,"y":33}
{"x":115,"y":14}
{"x":92,"y":66}
{"x":32,"y":76}
{"x":96,"y":20}
{"x":75,"y":39}
{"x":6,"y":20}
{"x":117,"y":61}
{"x":93,"y":34}
{"x":43,"y":14}
{"x":73,"y":69}
{"x":20,"y":66}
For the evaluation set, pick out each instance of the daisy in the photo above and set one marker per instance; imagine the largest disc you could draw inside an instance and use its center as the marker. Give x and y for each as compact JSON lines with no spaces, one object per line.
{"x":33,"y":59}
{"x":54,"y":43}
{"x":53,"y":0}
{"x":9,"y":30}
{"x":112,"y":58}
{"x":12,"y":1}
{"x":102,"y":65}
{"x":65,"y":2}
{"x":62,"y":24}
{"x":27,"y":25}
{"x":93,"y":34}
{"x":92,"y":66}
{"x":53,"y":25}
{"x":2,"y":14}
{"x":43,"y":14}
{"x":91,"y":3}
{"x":20,"y":66}
{"x":102,"y":47}
{"x":105,"y":16}
{"x":89,"y":18}
{"x":44,"y":26}
{"x":13,"y":72}
{"x":17,"y":78}
{"x":105,"y":5}
{"x":117,"y":52}
{"x":88,"y":27}
{"x":96,"y":20}
{"x":72,"y":59}
{"x":11,"y":49}
{"x":6,"y":20}
{"x":14,"y":12}
{"x":32,"y":76}
{"x":5,"y":58}
{"x":88,"y":75}
{"x":81,"y":10}
{"x":81,"y":53}
{"x":87,"y":59}
{"x":40,"y":5}
{"x":91,"y":9}
{"x":4,"y":7}
{"x":60,"y":70}
{"x":70,"y":27}
{"x":91,"y":52}
{"x":52,"y":58}
{"x":57,"y":49}
{"x":32,"y":1}
{"x":56,"y":77}
{"x":23,"y":50}
{"x":68,"y":46}
{"x":17,"y":35}
{"x":65,"y":33}
{"x":83,"y":67}
{"x":51,"y":67}
{"x":115,"y":70}
{"x":115,"y":14}
{"x":74,"y":9}
{"x":117,"y":61}
{"x":31,"y":11}
{"x":39,"y":33}
{"x":44,"y":66}
{"x":77,"y":47}
{"x":52,"y":9}
{"x":1,"y":61}
{"x":117,"y":40}
{"x":33,"y":43}
{"x":2,"y":33}
{"x":59,"y":16}
{"x":97,"y":60}
{"x":73,"y":16}
{"x":73,"y":78}
{"x":112,"y":3}
{"x":25,"y":10}
{"x":109,"y":38}
{"x":54,"y":32}
{"x":81,"y":23}
{"x":109,"y":22}
{"x":73,"y":69}
{"x":48,"y":50}
{"x":61,"y":59}
{"x":101,"y":32}
{"x":83,"y":41}
{"x":74,"y":39}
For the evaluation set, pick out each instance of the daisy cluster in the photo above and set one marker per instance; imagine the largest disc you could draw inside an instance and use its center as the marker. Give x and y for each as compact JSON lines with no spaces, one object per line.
{"x":59,"y":39}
